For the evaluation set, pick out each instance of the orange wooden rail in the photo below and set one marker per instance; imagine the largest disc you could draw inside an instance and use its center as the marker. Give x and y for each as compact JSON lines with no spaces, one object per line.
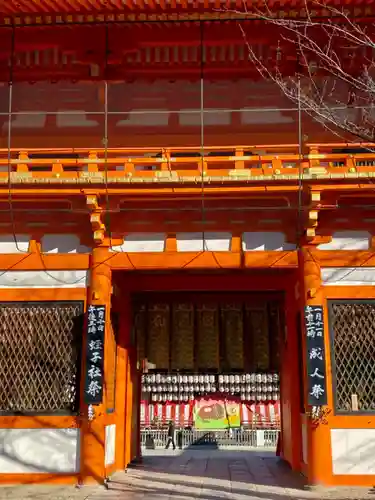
{"x":227,"y":163}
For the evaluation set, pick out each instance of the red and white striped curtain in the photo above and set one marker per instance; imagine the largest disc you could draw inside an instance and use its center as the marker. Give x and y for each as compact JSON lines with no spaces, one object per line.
{"x":180,"y":413}
{"x":261,"y":415}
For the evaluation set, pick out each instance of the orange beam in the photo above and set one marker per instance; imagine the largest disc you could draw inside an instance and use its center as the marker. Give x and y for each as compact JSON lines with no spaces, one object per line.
{"x":51,"y":262}
{"x":187,"y":260}
{"x":344,"y":258}
{"x":202,"y":260}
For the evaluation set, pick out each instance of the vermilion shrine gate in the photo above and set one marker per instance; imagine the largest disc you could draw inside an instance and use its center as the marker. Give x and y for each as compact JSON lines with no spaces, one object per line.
{"x":147,"y":168}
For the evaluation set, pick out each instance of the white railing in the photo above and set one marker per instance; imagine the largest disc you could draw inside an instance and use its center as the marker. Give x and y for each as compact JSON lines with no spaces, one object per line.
{"x":254,"y":438}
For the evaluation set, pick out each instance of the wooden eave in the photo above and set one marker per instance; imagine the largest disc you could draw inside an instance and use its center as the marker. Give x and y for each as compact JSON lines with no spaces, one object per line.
{"x":143,"y":51}
{"x":29,"y":12}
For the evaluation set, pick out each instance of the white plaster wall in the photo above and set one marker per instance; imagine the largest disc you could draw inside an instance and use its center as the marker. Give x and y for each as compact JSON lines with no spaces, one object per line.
{"x":33,"y":121}
{"x":353,"y":451}
{"x":76,"y":118}
{"x":9,"y":245}
{"x":264,"y":117}
{"x":194,"y":119}
{"x":110,"y":444}
{"x":213,"y":242}
{"x":39,"y":450}
{"x":348,"y":276}
{"x":62,"y":243}
{"x":258,"y":241}
{"x":348,"y":240}
{"x":44,"y":279}
{"x":142,"y":242}
{"x":145,"y":119}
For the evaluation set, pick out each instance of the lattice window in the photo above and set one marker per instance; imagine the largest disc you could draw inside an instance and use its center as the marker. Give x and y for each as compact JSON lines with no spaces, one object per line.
{"x":40,"y":346}
{"x":353,"y":331}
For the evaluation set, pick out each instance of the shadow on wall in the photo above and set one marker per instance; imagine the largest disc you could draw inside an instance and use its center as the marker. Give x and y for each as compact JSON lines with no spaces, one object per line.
{"x":353,"y":451}
{"x":62,"y":243}
{"x":47,"y":452}
{"x":266,"y":241}
{"x":54,"y":451}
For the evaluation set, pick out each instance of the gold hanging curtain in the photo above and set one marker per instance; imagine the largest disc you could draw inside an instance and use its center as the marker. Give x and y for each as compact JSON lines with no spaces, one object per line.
{"x":183,"y":337}
{"x":232,"y":323}
{"x":158,"y":335}
{"x":208,"y":336}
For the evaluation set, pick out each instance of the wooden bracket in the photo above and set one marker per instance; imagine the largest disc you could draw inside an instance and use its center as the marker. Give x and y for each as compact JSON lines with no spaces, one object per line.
{"x":92,"y":202}
{"x":98,"y":228}
{"x":315,"y":196}
{"x":313,"y":215}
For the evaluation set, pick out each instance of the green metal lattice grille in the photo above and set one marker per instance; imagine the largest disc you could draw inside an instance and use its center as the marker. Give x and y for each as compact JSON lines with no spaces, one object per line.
{"x":353,"y":340}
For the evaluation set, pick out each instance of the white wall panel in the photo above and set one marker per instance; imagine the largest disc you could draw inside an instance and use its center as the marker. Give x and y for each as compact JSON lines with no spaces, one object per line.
{"x":260,"y":241}
{"x":353,"y":451}
{"x":213,"y":242}
{"x":62,"y":243}
{"x":39,"y":450}
{"x":142,"y":242}
{"x":348,"y":240}
{"x":76,"y":118}
{"x":44,"y":279}
{"x":348,"y":276}
{"x":264,"y":117}
{"x":18,"y":243}
{"x":110,"y":444}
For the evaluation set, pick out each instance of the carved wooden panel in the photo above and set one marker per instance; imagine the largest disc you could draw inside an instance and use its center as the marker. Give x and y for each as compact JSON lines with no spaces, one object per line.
{"x":208,"y":336}
{"x":275,"y":325}
{"x":182,"y":353}
{"x":232,"y":324}
{"x":158,"y":335}
{"x":257,"y":325}
{"x":140,"y":327}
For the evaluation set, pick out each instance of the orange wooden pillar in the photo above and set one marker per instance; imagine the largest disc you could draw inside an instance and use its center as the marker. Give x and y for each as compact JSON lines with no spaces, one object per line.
{"x":135,"y":405}
{"x":120,"y":309}
{"x":139,"y":397}
{"x":126,"y":396}
{"x":319,"y":462}
{"x":93,"y":431}
{"x":289,"y":378}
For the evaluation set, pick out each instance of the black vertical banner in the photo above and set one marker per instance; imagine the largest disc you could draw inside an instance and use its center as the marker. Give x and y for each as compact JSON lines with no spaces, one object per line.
{"x":94,"y":355}
{"x":315,"y":356}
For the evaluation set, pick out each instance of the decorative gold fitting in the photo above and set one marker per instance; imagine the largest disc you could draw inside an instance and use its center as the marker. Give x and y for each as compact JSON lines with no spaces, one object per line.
{"x":96,"y":223}
{"x":311,"y":293}
{"x":99,"y":236}
{"x":310,"y":233}
{"x":315,"y":196}
{"x":92,"y":202}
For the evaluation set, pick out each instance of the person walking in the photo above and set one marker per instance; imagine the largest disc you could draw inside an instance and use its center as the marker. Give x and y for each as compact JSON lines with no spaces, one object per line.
{"x":171,"y":432}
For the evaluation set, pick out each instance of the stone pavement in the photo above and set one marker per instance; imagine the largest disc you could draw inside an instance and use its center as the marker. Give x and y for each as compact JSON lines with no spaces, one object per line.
{"x":204,"y":474}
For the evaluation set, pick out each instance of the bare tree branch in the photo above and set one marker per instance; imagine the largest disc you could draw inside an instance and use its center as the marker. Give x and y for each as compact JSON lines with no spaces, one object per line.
{"x":332,"y":73}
